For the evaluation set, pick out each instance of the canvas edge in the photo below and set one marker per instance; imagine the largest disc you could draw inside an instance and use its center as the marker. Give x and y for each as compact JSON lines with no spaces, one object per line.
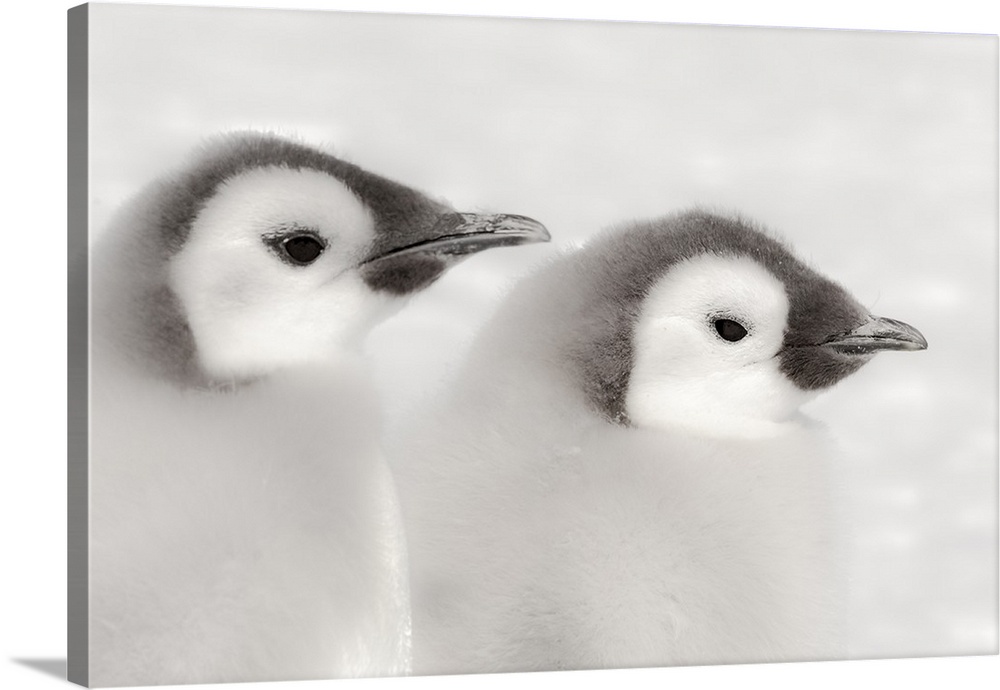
{"x":77,"y":486}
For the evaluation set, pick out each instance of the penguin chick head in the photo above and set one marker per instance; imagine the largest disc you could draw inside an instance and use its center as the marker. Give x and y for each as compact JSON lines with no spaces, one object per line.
{"x":268,"y":273}
{"x":279,"y":254}
{"x":716,"y":325}
{"x":705,"y":345}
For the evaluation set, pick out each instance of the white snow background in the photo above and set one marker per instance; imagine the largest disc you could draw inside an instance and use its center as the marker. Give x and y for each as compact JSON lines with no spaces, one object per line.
{"x":872,"y":153}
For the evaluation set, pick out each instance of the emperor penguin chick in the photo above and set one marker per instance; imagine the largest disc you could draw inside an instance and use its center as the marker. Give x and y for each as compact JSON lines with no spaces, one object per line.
{"x":244,"y":524}
{"x":619,"y":475}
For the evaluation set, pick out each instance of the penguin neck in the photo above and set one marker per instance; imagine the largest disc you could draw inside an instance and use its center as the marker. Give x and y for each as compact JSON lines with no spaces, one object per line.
{"x":754,"y":404}
{"x":745,"y":428}
{"x":140,"y":333}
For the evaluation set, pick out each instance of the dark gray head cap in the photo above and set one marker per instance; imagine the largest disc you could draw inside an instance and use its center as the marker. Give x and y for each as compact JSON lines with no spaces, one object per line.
{"x":623,"y":266}
{"x":399,"y":211}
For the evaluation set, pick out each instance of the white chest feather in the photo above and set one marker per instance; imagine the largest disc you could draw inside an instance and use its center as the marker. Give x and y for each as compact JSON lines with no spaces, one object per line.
{"x":607,"y":547}
{"x":251,"y":536}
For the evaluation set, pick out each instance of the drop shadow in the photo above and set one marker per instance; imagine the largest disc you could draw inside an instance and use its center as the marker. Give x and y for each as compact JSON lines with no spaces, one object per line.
{"x":51,"y":667}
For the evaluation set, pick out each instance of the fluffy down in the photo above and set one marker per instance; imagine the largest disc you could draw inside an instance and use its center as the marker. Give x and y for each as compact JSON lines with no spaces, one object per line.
{"x":548,"y":530}
{"x":231,"y":540}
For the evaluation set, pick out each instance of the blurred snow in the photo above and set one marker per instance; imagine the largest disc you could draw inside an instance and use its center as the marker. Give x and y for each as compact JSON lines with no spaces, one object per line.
{"x":873,"y":153}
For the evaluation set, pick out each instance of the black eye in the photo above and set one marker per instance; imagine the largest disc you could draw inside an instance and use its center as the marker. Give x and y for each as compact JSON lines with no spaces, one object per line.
{"x":295,"y":246}
{"x":730,"y":330}
{"x":303,"y":249}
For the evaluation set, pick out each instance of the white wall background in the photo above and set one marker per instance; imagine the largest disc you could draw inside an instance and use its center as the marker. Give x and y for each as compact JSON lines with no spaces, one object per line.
{"x":874,"y":154}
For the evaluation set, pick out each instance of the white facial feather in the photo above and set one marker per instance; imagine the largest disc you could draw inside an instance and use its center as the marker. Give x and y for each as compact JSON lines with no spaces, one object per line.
{"x":686,"y":373}
{"x":250,"y":311}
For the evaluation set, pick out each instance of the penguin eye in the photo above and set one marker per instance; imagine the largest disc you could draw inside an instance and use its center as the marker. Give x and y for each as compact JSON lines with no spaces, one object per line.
{"x":297,"y":248}
{"x":303,"y":249}
{"x":730,"y":330}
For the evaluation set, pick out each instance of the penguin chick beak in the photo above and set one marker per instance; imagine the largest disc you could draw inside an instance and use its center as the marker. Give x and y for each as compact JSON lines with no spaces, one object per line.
{"x":877,"y":334}
{"x":456,"y":235}
{"x":406,"y":268}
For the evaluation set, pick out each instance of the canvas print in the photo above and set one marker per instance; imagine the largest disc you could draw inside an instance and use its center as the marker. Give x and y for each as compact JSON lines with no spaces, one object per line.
{"x":422,"y":345}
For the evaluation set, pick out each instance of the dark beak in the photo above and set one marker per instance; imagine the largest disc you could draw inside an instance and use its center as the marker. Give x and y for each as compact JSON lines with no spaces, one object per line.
{"x":415,"y":264}
{"x":456,"y":235}
{"x":875,"y":335}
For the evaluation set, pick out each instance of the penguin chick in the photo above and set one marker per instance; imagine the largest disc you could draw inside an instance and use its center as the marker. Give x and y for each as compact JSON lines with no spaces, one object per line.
{"x":244,"y":525}
{"x":619,"y":475}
